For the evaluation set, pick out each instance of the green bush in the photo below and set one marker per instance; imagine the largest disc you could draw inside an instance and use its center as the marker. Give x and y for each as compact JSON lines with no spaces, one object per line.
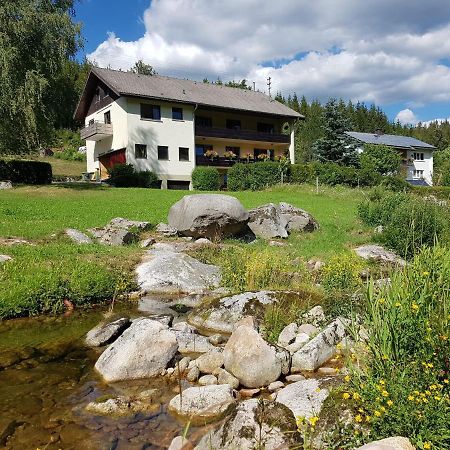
{"x":206,"y":179}
{"x":380,"y":159}
{"x":256,"y":176}
{"x":302,"y":173}
{"x":237,"y":177}
{"x":70,"y":154}
{"x":28,"y":172}
{"x":395,"y":183}
{"x":124,"y":175}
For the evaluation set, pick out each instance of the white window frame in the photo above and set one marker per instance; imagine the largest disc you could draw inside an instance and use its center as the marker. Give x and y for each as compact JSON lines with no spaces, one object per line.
{"x":419,"y":156}
{"x":418,"y":174}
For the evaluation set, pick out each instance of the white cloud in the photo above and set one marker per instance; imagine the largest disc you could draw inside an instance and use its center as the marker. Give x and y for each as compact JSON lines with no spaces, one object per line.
{"x":387,"y":51}
{"x":406,"y":117}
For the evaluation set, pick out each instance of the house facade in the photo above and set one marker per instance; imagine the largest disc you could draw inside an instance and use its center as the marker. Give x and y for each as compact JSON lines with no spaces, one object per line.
{"x":169,"y":126}
{"x":417,"y":156}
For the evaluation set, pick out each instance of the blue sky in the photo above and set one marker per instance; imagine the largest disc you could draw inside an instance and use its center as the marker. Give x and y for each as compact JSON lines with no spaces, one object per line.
{"x":395,"y":54}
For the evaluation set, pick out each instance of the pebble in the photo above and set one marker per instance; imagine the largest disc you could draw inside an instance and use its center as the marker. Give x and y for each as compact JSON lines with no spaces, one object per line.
{"x":249,"y":392}
{"x":294,"y":378}
{"x":193,"y":374}
{"x":207,"y":380}
{"x":327,"y":371}
{"x":275,"y":386}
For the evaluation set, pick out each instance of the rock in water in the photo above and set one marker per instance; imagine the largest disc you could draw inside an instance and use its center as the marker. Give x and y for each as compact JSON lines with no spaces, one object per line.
{"x":166,"y":271}
{"x":319,"y":349}
{"x":297,"y":219}
{"x":203,"y":403}
{"x":210,"y":362}
{"x":213,"y":216}
{"x":250,"y":359}
{"x":254,"y":424}
{"x":105,"y":333}
{"x":304,"y":398}
{"x":221,"y":315}
{"x":78,"y":237}
{"x":392,"y":443}
{"x":267,"y":222}
{"x":142,"y":351}
{"x":379,"y":254}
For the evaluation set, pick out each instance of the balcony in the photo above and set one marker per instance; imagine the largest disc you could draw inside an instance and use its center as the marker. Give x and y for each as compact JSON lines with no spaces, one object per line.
{"x":220,"y":161}
{"x":243,"y":135}
{"x":96,"y":131}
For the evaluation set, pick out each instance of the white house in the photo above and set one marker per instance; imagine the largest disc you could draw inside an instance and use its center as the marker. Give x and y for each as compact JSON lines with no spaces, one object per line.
{"x":417,"y":156}
{"x":170,"y":126}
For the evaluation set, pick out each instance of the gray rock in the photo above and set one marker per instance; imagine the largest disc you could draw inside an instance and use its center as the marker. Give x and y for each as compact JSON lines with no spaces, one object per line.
{"x":315,"y":316}
{"x":379,"y":229}
{"x":391,"y":443}
{"x":320,"y":349}
{"x":203,"y":241}
{"x":105,"y":333}
{"x":308,"y":329}
{"x":267,"y":222}
{"x":220,"y":316}
{"x":254,"y":424}
{"x":114,"y":236}
{"x":129,"y":225}
{"x":300,"y":340}
{"x":142,"y":351}
{"x":216,"y":339}
{"x":297,"y":219}
{"x":5,"y":185}
{"x":166,"y":230}
{"x":165,"y":271}
{"x":4,"y":258}
{"x":183,"y":326}
{"x":224,"y":377}
{"x":304,"y":398}
{"x":203,"y":403}
{"x":146,"y":243}
{"x":77,"y":236}
{"x":192,"y":343}
{"x":275,"y":386}
{"x":250,"y":359}
{"x":288,"y":335}
{"x":207,"y":380}
{"x":210,"y":362}
{"x":294,"y":377}
{"x":180,"y":443}
{"x":379,"y":254}
{"x":213,"y":216}
{"x":193,"y":374}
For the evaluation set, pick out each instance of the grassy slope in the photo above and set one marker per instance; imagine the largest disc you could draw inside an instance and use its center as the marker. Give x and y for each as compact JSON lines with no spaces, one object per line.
{"x":63,"y":168}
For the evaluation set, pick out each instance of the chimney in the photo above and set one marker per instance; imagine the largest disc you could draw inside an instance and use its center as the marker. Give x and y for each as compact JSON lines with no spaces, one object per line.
{"x":379,"y":132}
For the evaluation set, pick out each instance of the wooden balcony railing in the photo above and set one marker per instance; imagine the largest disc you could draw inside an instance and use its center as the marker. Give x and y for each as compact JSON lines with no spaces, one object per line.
{"x":222,"y":162}
{"x":245,"y":135}
{"x":96,"y":131}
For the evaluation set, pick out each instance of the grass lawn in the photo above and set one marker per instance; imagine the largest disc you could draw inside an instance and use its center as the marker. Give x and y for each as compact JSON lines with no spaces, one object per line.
{"x":63,"y":168}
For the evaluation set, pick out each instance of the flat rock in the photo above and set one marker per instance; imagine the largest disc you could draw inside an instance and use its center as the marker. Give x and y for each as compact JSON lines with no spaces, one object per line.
{"x":203,"y":403}
{"x":192,"y":343}
{"x":275,"y":386}
{"x":221,"y":315}
{"x":294,"y":377}
{"x":213,"y":216}
{"x":304,"y":398}
{"x":4,"y":258}
{"x":391,"y":443}
{"x":127,"y":224}
{"x":297,"y":219}
{"x":300,"y":340}
{"x":105,"y":333}
{"x":121,"y":406}
{"x":254,"y":424}
{"x":319,"y":349}
{"x":288,"y":335}
{"x":166,"y":230}
{"x":142,"y":351}
{"x":77,"y":236}
{"x":308,"y":329}
{"x":267,"y":222}
{"x":166,"y":271}
{"x":145,"y":243}
{"x":378,"y":253}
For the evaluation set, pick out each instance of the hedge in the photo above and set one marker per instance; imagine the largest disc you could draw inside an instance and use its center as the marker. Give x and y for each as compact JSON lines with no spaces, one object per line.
{"x":124,"y":175}
{"x":255,"y":176}
{"x":205,"y":179}
{"x":27,"y":172}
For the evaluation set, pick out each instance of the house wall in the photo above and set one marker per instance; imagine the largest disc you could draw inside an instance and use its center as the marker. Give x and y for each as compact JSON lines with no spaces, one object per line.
{"x":426,"y":165}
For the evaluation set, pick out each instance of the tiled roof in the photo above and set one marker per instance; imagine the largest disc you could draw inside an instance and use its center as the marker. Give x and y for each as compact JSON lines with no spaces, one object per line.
{"x":194,"y":92}
{"x":392,"y":140}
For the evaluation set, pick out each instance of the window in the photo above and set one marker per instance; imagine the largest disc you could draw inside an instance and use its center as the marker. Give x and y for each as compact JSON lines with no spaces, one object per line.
{"x":140,"y":151}
{"x":177,"y":113}
{"x":265,"y":127}
{"x":107,"y":117}
{"x":150,"y":111}
{"x":205,"y":122}
{"x":235,"y":150}
{"x":233,"y":124}
{"x":418,"y":174}
{"x":163,"y":152}
{"x":183,"y":153}
{"x":418,"y":156}
{"x":200,"y":149}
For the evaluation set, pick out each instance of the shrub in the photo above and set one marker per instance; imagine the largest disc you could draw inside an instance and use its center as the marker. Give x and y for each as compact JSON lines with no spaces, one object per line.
{"x":256,"y":176}
{"x":124,"y":175}
{"x":302,"y":173}
{"x":237,"y":177}
{"x":381,"y":159}
{"x":28,"y":172}
{"x":395,"y":183}
{"x":206,"y":179}
{"x":70,"y":154}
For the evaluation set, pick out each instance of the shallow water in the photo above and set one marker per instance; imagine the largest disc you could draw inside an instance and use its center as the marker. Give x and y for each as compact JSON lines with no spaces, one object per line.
{"x":47,"y":378}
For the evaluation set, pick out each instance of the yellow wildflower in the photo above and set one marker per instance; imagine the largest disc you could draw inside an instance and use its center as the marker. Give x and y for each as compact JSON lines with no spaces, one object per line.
{"x":390,"y":402}
{"x":415,"y":307}
{"x":410,"y":397}
{"x":446,"y":381}
{"x":347,"y":378}
{"x":398,"y":304}
{"x":358,"y":418}
{"x":368,"y":418}
{"x":382,"y":382}
{"x":437,"y":398}
{"x":356,"y":396}
{"x":426,"y":273}
{"x":385,"y":393}
{"x":377,"y":413}
{"x":381,"y":301}
{"x":382,"y":409}
{"x":426,"y":445}
{"x":345,"y":395}
{"x":313,"y":421}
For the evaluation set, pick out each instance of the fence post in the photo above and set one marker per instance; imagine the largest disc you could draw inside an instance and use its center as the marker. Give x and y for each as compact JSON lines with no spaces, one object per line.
{"x":317,"y":185}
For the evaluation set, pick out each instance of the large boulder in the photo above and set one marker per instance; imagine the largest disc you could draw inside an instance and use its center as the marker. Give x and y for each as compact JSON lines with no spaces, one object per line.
{"x":267,"y":222}
{"x":391,"y":443}
{"x":319,"y":349}
{"x":254,"y":424}
{"x":378,"y":253}
{"x":119,"y":231}
{"x":251,"y":359}
{"x":105,"y":333}
{"x":221,"y":315}
{"x":297,"y":219}
{"x":213,"y":216}
{"x":304,"y":398}
{"x":142,"y":351}
{"x":203,"y":403}
{"x":78,"y":236}
{"x":167,"y":271}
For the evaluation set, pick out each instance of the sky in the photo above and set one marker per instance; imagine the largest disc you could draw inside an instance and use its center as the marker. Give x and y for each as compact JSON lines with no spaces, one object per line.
{"x":395,"y":53}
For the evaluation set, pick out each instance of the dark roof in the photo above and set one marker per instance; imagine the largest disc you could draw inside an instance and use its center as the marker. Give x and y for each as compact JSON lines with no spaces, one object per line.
{"x":185,"y":91}
{"x":392,"y":140}
{"x":417,"y":182}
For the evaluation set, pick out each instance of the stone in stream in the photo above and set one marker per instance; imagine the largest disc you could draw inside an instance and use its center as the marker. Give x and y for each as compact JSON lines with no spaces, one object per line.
{"x":203,"y":403}
{"x":207,"y":380}
{"x":166,"y":271}
{"x":190,"y":342}
{"x":180,"y":443}
{"x":267,"y":222}
{"x":224,"y":377}
{"x":77,"y":236}
{"x":319,"y":349}
{"x":210,"y":362}
{"x":254,"y":424}
{"x":142,"y":351}
{"x":391,"y":443}
{"x":107,"y":332}
{"x":221,"y":315}
{"x":213,"y":216}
